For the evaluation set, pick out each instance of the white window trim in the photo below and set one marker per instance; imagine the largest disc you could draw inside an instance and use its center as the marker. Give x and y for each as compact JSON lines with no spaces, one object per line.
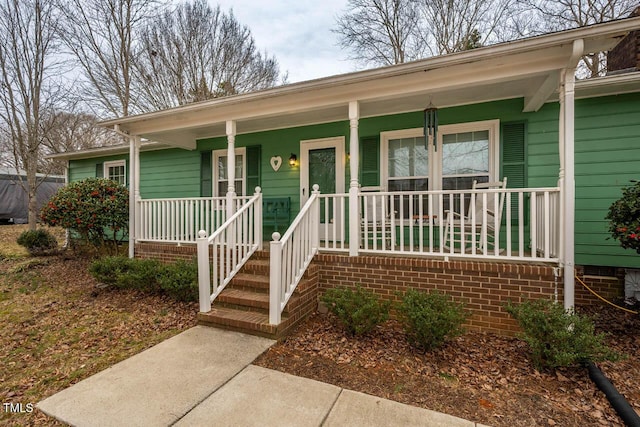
{"x":223,"y":153}
{"x":435,"y":168}
{"x":114,"y":163}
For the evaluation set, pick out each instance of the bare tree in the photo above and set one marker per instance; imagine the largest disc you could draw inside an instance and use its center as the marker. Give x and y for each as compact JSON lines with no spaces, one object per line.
{"x":454,"y":25}
{"x":197,"y":52}
{"x":380,"y":32}
{"x":556,"y":15}
{"x":102,"y":36}
{"x":28,"y":46}
{"x":69,"y":131}
{"x":385,"y":32}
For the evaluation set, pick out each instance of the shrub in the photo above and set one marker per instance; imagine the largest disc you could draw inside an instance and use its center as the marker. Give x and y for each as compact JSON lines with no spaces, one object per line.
{"x":96,"y":209}
{"x":38,"y":241}
{"x":359,"y":310}
{"x":558,"y":338}
{"x":430,"y":319}
{"x":624,"y":218}
{"x":123,"y":272}
{"x":180,"y":280}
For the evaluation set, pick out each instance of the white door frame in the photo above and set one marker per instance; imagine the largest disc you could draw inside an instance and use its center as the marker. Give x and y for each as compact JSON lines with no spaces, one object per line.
{"x":337,"y":142}
{"x":307,"y":145}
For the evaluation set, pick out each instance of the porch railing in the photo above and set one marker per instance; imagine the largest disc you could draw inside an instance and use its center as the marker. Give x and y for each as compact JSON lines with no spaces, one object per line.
{"x":222,"y":255}
{"x":291,"y":254}
{"x":179,"y":220}
{"x":510,"y":224}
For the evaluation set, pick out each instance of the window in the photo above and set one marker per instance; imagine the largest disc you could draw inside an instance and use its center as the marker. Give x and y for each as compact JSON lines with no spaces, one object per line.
{"x":465,"y":158}
{"x":116,"y":171}
{"x":464,"y":153}
{"x":221,"y":172}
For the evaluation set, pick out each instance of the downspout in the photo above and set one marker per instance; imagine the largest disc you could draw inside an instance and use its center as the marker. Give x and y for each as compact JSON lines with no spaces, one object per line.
{"x":567,"y":121}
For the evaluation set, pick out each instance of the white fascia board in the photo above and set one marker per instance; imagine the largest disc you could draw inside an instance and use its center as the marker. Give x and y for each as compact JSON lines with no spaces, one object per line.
{"x":112,"y":150}
{"x":596,"y":37}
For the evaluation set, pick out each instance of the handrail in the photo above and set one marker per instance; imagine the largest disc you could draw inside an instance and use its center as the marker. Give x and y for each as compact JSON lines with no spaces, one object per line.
{"x":233,"y":244}
{"x":178,"y":220}
{"x":291,"y":254}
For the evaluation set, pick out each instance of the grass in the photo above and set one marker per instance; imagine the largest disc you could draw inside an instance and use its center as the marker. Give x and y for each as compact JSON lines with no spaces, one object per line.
{"x":57,"y":327}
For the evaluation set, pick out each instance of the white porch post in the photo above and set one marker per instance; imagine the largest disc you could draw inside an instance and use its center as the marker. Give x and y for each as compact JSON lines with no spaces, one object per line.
{"x":132,"y":197}
{"x":231,"y":166}
{"x":567,"y":126}
{"x":354,"y":186}
{"x":136,"y":187}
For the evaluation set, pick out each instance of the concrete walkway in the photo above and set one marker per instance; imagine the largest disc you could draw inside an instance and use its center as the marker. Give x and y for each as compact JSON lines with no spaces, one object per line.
{"x":204,"y":377}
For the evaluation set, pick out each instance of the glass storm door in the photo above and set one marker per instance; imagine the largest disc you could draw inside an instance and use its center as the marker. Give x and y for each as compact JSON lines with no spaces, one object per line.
{"x":322,"y":164}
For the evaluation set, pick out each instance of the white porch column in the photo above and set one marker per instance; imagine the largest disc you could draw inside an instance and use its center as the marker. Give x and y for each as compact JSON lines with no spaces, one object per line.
{"x":136,"y":187}
{"x":567,"y":159}
{"x":231,"y":166}
{"x":354,"y":186}
{"x":132,"y":196}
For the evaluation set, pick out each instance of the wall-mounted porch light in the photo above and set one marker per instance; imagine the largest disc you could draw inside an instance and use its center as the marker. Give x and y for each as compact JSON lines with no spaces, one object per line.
{"x":293,"y":160}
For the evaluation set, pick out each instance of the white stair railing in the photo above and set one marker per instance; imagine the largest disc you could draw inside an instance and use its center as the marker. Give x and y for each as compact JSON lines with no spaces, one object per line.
{"x":232,"y":244}
{"x":291,"y":255}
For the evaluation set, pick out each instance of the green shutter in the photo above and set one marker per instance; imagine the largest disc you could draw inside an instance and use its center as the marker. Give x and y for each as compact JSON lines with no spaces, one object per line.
{"x":514,"y":161}
{"x":370,"y":161}
{"x":514,"y":154}
{"x":206,"y":174}
{"x":99,"y":170}
{"x":253,"y":167}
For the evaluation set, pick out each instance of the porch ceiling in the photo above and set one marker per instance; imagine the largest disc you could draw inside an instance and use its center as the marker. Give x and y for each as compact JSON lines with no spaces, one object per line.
{"x":528,"y":69}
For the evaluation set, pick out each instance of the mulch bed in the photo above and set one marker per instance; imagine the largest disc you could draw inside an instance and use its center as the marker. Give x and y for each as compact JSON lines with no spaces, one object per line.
{"x":481,"y":377}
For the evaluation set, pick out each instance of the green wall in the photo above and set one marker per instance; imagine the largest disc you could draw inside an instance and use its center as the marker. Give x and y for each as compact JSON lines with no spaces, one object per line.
{"x":607,"y":157}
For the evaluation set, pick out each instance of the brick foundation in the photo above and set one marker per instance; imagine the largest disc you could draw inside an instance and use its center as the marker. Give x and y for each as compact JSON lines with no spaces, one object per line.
{"x":166,"y":252}
{"x":484,"y":287}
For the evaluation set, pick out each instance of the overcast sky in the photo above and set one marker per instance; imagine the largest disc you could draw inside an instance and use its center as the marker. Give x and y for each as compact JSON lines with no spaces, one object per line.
{"x":297,"y":32}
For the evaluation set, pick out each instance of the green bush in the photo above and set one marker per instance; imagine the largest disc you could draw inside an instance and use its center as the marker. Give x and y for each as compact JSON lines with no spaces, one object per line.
{"x":430,"y":319}
{"x":123,"y":272}
{"x":359,"y":311}
{"x":38,"y":241}
{"x":180,"y":280}
{"x":559,"y":338}
{"x":624,"y":218}
{"x":96,"y":209}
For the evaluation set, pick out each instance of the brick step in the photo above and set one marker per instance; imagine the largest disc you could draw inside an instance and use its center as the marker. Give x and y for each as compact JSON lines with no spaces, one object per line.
{"x":252,"y":282}
{"x":243,"y":299}
{"x":238,"y":320}
{"x":257,"y":266}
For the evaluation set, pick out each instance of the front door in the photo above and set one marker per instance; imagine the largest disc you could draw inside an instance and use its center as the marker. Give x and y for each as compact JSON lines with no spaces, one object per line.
{"x":322,"y":163}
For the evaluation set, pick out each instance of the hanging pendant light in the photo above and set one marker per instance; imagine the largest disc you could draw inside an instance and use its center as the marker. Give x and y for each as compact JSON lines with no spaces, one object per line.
{"x":430,"y":126}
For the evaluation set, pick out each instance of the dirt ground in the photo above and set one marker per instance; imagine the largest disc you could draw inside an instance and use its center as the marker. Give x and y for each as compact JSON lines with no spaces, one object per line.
{"x":57,"y":327}
{"x":480,"y":377}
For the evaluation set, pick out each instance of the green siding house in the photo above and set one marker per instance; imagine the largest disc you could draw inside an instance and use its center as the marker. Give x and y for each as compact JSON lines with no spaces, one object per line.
{"x":349,"y":170}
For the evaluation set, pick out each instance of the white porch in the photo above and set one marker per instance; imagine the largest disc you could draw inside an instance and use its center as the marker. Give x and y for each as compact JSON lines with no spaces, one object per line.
{"x":532,"y":224}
